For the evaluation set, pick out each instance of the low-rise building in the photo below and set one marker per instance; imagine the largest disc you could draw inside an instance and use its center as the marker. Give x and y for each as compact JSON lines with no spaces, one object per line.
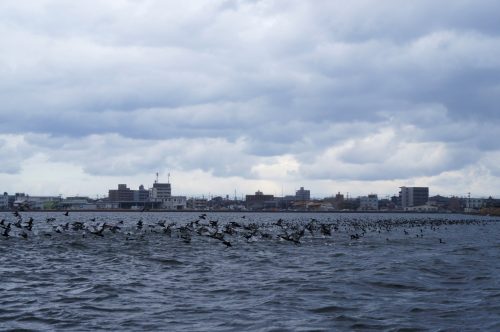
{"x":259,"y":201}
{"x":78,"y":203}
{"x":474,"y":204}
{"x":368,"y":203}
{"x":422,"y":208}
{"x":26,"y":202}
{"x":197,"y":203}
{"x":174,"y":203}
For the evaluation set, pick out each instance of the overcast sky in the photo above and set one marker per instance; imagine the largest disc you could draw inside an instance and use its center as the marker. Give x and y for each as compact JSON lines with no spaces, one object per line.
{"x":350,"y":96}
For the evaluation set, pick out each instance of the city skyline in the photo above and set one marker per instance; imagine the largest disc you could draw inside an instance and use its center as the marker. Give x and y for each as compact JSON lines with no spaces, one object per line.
{"x":357,"y":97}
{"x":240,"y":195}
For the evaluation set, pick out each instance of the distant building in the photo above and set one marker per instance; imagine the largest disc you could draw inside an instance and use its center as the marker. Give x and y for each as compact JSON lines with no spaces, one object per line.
{"x":413,"y":196}
{"x":440,"y":202}
{"x":122,"y":194}
{"x":368,"y":203}
{"x":78,"y":203}
{"x":37,"y":202}
{"x":472,"y":204}
{"x":141,"y":195}
{"x":259,"y":201}
{"x":131,"y":199}
{"x":160,"y":191}
{"x":339,"y":201}
{"x":285,"y":203}
{"x":4,"y":201}
{"x":422,"y":208}
{"x":491,"y":202}
{"x":175,"y":203}
{"x":197,"y":203}
{"x":302,"y":195}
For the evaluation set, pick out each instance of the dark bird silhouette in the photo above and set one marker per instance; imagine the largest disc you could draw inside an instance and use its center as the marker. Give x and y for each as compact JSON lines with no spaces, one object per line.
{"x":234,"y":224}
{"x":77,"y":226}
{"x":203,"y":216}
{"x":294,"y":237}
{"x":168,"y":230}
{"x":18,"y":223}
{"x":98,"y":231}
{"x":228,"y":230}
{"x":66,"y":213}
{"x":185,"y":234}
{"x":325,"y":230}
{"x":112,"y":228}
{"x":266,"y":236}
{"x":6,"y":230}
{"x":29,"y":225}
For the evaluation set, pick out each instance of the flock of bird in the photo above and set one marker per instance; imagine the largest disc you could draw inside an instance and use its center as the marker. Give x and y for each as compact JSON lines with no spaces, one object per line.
{"x":224,"y":232}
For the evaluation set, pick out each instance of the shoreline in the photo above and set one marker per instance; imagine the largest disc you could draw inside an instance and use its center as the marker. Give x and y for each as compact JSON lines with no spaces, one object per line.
{"x":233,"y":211}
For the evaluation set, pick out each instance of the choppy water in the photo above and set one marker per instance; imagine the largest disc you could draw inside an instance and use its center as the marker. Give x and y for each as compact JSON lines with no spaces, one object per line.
{"x":404,"y":272}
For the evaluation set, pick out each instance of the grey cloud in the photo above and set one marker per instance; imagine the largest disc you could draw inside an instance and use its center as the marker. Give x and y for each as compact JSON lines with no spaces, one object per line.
{"x":222,"y":86}
{"x":13,"y":151}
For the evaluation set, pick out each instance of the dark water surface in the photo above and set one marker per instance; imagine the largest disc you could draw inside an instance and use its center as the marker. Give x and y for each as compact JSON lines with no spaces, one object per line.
{"x":374,"y":272}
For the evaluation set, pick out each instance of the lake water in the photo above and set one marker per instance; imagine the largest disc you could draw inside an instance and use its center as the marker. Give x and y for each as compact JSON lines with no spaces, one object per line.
{"x":393,"y":272}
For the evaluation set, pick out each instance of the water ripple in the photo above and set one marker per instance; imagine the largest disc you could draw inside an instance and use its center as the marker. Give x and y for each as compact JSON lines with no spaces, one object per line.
{"x":150,"y":280}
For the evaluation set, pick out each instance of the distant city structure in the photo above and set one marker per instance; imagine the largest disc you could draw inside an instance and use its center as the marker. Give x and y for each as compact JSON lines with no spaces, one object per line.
{"x":125,"y":198}
{"x":413,"y":196}
{"x":259,"y":201}
{"x":159,"y":197}
{"x":4,"y":201}
{"x":368,"y":203}
{"x":197,"y":203}
{"x":302,"y":195}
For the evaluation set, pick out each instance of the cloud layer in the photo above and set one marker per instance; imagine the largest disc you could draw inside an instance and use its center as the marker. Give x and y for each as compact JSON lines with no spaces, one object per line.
{"x":251,"y":94}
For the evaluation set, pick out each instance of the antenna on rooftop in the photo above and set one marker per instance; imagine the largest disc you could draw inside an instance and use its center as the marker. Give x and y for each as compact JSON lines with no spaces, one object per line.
{"x":168,"y":178}
{"x":156,"y":181}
